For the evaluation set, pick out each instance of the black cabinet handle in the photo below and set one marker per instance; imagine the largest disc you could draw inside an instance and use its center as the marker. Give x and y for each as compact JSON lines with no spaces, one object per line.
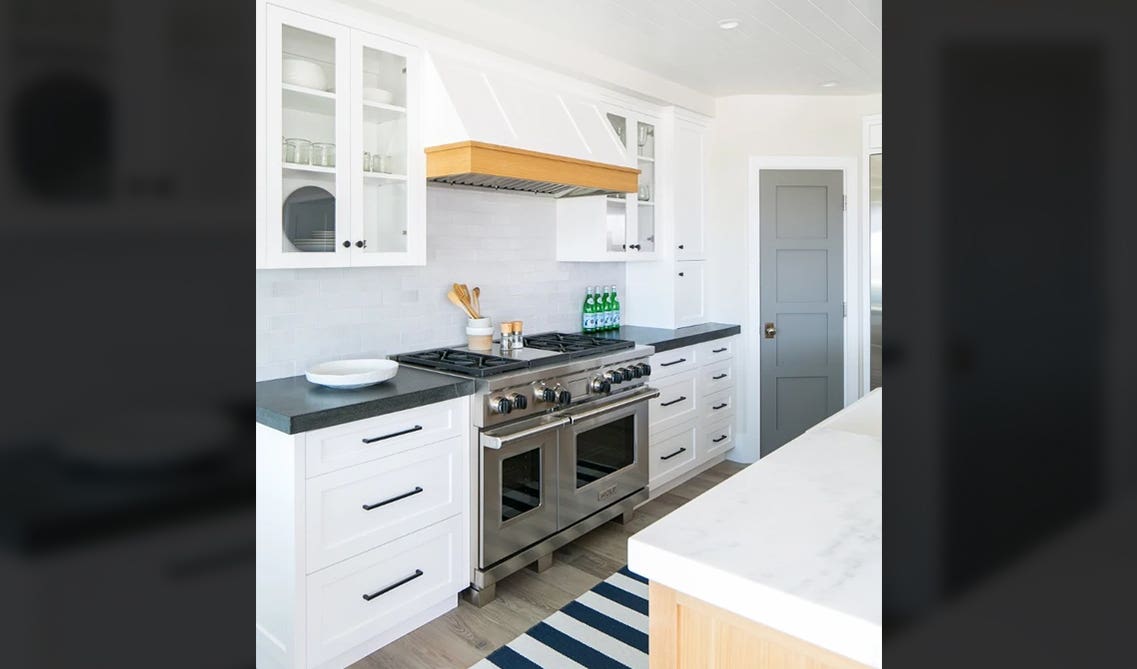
{"x":389,"y":588}
{"x":680,"y":246}
{"x":723,"y":405}
{"x":668,"y":457}
{"x":718,"y":350}
{"x":361,"y":244}
{"x":681,"y":274}
{"x":719,"y":439}
{"x":720,"y":376}
{"x":673,"y":362}
{"x":347,"y":244}
{"x":667,"y":404}
{"x":376,"y":505}
{"x":372,"y":440}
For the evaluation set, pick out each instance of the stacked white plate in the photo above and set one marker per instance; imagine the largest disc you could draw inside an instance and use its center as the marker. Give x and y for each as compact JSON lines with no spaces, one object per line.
{"x":314,"y":244}
{"x":348,"y":374}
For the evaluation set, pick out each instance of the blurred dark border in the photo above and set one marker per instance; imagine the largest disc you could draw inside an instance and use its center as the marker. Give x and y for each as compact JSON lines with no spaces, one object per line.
{"x":126,"y":458}
{"x":1011,"y":471}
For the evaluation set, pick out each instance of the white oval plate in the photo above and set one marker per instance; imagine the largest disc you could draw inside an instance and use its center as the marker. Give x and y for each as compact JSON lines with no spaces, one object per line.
{"x":348,"y":374}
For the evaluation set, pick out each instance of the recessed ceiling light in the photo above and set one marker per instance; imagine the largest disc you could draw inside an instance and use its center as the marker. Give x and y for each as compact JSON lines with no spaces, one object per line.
{"x":728,"y":24}
{"x":828,"y":84}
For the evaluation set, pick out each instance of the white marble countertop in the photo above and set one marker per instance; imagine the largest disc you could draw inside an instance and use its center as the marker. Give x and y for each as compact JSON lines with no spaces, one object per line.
{"x":793,"y":541}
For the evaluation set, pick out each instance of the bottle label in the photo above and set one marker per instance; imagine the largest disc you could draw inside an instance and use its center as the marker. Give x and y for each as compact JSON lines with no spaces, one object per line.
{"x":589,"y":322}
{"x":616,"y":319}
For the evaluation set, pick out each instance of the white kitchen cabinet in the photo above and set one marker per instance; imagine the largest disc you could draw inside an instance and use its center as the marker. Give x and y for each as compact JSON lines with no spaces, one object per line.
{"x":619,"y":227}
{"x":688,"y":205}
{"x":671,"y":292}
{"x":359,"y":540}
{"x":342,"y":211}
{"x":691,"y":423}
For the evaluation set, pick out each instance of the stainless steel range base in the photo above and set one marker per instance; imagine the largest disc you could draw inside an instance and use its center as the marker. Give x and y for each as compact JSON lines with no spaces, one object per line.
{"x":484,"y":587}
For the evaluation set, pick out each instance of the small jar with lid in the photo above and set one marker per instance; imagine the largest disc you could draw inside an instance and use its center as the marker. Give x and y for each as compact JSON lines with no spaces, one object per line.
{"x":518,"y":339}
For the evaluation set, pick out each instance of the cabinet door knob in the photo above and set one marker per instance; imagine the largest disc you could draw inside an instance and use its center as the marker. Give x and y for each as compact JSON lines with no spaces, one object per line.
{"x":680,"y":246}
{"x":361,"y":244}
{"x":347,"y":245}
{"x":681,"y":274}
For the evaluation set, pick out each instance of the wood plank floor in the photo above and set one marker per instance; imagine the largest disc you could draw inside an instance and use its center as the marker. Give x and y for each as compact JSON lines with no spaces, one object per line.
{"x":465,"y":635}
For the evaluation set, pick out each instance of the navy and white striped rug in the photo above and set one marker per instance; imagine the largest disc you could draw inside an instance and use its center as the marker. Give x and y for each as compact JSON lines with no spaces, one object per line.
{"x":605,"y":628}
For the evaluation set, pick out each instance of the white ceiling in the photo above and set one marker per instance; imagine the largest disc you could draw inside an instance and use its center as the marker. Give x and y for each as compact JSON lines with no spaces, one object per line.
{"x":780,"y":46}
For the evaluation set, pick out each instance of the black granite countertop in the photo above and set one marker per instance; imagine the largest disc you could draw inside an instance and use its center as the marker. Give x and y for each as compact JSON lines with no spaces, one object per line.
{"x":294,"y":405}
{"x":664,"y":339}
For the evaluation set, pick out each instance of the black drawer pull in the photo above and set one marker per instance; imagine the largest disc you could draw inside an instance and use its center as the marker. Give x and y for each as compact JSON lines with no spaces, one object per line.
{"x":667,"y":404}
{"x":372,"y":440}
{"x":720,"y":376}
{"x":723,"y":405}
{"x":389,"y":588}
{"x":719,"y":350}
{"x":673,"y":362}
{"x":376,"y":505}
{"x":719,"y":439}
{"x":668,"y":457}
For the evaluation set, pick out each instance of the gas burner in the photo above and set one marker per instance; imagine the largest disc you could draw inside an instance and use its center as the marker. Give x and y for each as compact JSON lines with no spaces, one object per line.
{"x":576,"y":344}
{"x":463,"y":362}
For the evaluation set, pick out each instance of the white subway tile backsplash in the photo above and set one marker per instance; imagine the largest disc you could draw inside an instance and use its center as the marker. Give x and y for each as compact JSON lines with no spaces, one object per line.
{"x":503,"y":242}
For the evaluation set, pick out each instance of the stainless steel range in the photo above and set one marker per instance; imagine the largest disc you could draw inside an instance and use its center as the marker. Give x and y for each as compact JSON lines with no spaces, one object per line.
{"x":561,"y":440}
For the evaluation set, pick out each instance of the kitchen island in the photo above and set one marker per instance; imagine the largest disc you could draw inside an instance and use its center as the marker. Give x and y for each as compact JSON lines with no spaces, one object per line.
{"x":780,"y":564}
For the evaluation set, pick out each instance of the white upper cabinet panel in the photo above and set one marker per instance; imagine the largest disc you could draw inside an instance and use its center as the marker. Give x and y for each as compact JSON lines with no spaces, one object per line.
{"x":461,"y":101}
{"x":596,"y":132}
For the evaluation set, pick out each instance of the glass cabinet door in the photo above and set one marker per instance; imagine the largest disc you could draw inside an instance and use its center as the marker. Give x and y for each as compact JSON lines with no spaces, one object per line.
{"x":386,"y":192}
{"x":645,"y":198}
{"x":616,"y":240}
{"x":306,"y":77}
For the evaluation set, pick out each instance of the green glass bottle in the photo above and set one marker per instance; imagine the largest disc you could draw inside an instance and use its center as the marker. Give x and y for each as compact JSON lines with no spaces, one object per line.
{"x":588,"y":313}
{"x":616,"y":320}
{"x":602,"y":311}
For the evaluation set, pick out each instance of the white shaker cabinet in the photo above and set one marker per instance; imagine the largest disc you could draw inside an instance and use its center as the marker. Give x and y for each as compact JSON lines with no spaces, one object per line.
{"x":363,"y":533}
{"x":343,"y":167}
{"x":688,"y":206}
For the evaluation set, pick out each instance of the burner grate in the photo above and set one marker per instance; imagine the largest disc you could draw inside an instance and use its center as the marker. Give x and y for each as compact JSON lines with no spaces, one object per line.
{"x":463,"y":362}
{"x":577,"y":344}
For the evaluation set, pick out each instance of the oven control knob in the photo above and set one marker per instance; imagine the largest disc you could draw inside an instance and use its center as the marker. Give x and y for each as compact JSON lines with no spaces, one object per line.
{"x":564,"y":397}
{"x":625,"y":372}
{"x":500,"y":405}
{"x":547,"y":395}
{"x":611,"y":377}
{"x":518,"y":400}
{"x":645,"y":369}
{"x":600,"y":385}
{"x":636,"y":371}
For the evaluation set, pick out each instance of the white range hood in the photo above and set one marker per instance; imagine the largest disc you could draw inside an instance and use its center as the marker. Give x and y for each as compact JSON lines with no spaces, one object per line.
{"x":496,"y":130}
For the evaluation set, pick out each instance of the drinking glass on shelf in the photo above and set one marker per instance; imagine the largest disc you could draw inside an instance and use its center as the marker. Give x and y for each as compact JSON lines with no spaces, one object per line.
{"x":366,"y":161}
{"x":297,"y":151}
{"x":645,"y":192}
{"x":324,"y":154}
{"x":642,"y":135}
{"x":380,"y":163}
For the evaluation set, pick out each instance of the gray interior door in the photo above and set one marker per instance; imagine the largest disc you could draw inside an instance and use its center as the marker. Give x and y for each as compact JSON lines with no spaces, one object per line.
{"x":801,"y":270}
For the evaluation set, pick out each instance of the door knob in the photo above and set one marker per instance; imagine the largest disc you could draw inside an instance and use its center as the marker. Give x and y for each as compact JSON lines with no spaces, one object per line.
{"x":770,"y":330}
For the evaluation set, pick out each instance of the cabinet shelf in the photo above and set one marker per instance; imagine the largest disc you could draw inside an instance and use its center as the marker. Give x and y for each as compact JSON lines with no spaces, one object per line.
{"x":646,"y":203}
{"x":378,"y":112}
{"x":645,"y":159}
{"x":384,"y":176}
{"x":293,"y":167}
{"x":308,"y":99}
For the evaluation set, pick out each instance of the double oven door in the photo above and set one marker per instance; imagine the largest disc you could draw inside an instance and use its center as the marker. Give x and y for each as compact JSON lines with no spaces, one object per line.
{"x":543,"y":475}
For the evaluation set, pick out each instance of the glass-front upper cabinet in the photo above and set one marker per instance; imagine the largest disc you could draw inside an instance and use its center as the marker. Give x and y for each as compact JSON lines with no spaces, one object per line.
{"x":388,"y":199}
{"x":346,"y":187}
{"x":631,"y":223}
{"x":307,"y":74}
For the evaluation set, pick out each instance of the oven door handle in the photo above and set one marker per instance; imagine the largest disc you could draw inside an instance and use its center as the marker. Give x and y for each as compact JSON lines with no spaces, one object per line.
{"x":496,"y":441}
{"x":618,"y":404}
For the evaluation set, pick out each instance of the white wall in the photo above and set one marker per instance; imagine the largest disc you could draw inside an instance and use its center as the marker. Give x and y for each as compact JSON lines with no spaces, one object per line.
{"x":503,"y":242}
{"x":764,"y":125}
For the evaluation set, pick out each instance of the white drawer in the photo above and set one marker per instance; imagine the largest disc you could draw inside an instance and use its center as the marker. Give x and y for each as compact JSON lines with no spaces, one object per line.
{"x":715,"y":437}
{"x":717,"y":349}
{"x":352,"y":510}
{"x":717,"y":405}
{"x":373,"y":438}
{"x":671,"y":452}
{"x":716,"y":376}
{"x":675,"y":404}
{"x":670,"y":363}
{"x":338,"y":615}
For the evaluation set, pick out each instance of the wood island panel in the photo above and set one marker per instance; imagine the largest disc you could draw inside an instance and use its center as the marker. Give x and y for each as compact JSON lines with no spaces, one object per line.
{"x":685,"y":632}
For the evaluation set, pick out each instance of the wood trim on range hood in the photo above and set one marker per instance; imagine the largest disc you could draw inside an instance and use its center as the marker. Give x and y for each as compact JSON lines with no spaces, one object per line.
{"x":494,"y":166}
